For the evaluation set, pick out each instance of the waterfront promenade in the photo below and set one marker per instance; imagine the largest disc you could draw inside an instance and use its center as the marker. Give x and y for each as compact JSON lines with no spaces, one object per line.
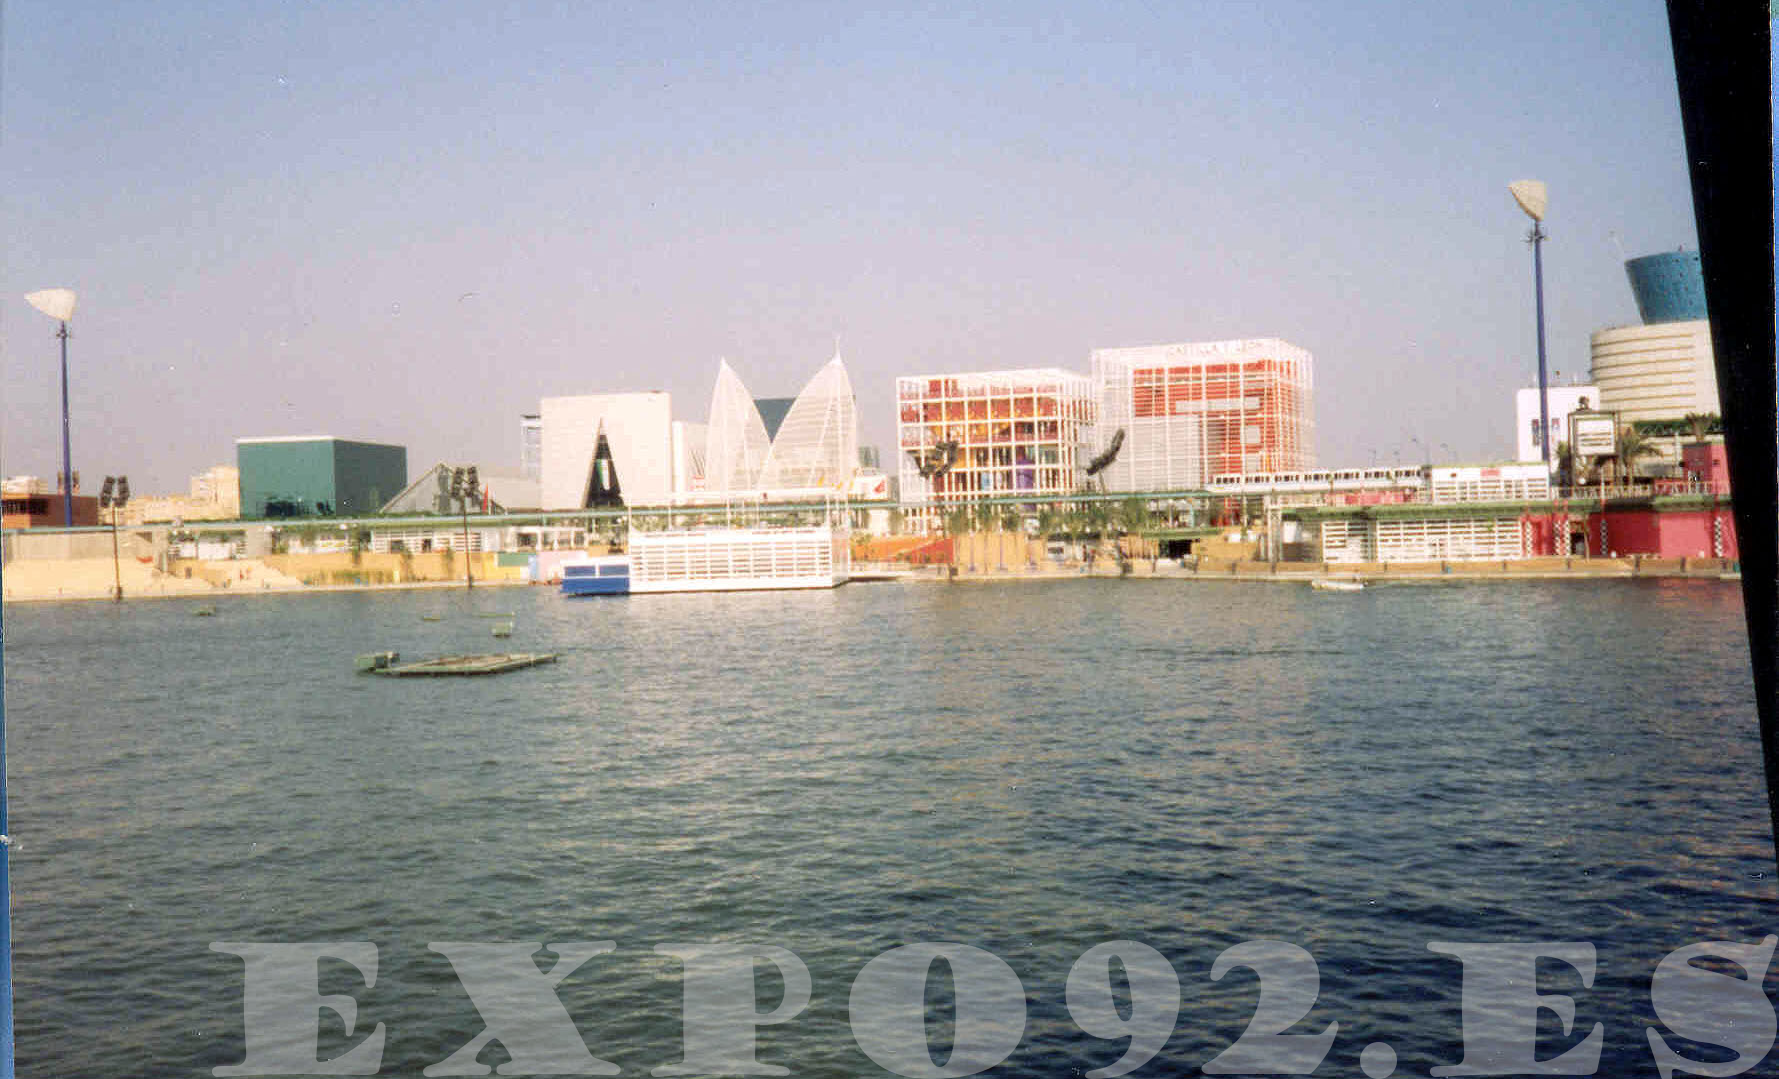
{"x":1226,"y":569}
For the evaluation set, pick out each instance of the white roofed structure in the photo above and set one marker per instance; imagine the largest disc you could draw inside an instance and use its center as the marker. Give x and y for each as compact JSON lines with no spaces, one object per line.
{"x":735,"y":442}
{"x":817,"y":446}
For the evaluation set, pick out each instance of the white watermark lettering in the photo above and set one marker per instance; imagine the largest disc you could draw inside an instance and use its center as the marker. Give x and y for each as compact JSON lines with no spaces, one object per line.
{"x":889,"y":1012}
{"x":1710,"y":994}
{"x":281,"y":1005}
{"x":520,"y":1009}
{"x":1289,"y":982}
{"x":1154,"y":1001}
{"x":721,"y":1011}
{"x":1714,"y":1008}
{"x":1501,"y":1002}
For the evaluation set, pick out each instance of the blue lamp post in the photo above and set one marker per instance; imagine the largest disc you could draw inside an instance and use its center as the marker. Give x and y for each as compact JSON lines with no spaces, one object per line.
{"x":1531,"y":196}
{"x":58,"y":303}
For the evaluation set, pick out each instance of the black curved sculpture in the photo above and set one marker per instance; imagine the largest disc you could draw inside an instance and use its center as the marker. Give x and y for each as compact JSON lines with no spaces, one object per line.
{"x":1104,"y":460}
{"x":935,"y":460}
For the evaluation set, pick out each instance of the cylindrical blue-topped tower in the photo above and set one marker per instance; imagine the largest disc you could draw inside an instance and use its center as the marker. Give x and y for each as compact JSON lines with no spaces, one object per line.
{"x":1669,"y":287}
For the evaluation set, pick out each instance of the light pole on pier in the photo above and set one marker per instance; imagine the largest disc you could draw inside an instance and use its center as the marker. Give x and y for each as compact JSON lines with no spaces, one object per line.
{"x":114,"y":494}
{"x":58,"y":303}
{"x":466,"y":488}
{"x":1532,"y":198}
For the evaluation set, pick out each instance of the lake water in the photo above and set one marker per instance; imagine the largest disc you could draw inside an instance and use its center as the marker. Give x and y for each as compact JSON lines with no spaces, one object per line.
{"x":1030,"y":769}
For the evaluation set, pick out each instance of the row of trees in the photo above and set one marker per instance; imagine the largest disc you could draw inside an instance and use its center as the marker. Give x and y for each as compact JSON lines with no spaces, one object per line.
{"x":1070,"y":520}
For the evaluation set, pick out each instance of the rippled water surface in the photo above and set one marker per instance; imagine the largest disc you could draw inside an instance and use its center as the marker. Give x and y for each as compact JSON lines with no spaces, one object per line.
{"x":1028,"y":768}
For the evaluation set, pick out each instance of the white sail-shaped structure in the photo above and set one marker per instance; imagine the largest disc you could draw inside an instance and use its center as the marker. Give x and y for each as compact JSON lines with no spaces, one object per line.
{"x":736,"y":446}
{"x":817,"y":446}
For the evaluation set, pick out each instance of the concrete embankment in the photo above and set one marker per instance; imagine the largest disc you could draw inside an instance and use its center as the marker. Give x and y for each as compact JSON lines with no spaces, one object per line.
{"x":91,"y":578}
{"x":1223,"y":569}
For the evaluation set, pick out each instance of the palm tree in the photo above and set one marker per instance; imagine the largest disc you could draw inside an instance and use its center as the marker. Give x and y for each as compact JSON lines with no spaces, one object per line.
{"x":957,"y":521}
{"x":1134,"y":514}
{"x":1700,"y":424}
{"x":1074,"y":524}
{"x":1099,"y":518}
{"x":1632,"y":444}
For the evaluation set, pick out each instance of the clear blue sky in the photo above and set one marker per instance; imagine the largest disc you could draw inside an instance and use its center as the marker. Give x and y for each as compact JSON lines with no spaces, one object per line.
{"x":409,"y":222}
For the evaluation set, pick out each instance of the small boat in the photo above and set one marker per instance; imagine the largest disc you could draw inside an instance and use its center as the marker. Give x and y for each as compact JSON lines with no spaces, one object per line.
{"x":432,"y":618}
{"x":597,"y":575}
{"x":1325,"y":584}
{"x":497,"y":663}
{"x":503,"y":629}
{"x":206,"y":611}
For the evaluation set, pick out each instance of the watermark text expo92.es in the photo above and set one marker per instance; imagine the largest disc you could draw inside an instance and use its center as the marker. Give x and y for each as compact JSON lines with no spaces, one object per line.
{"x":1720,"y":1002}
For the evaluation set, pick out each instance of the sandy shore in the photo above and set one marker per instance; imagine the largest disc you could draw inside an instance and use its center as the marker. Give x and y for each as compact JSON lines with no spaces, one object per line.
{"x":87,"y":579}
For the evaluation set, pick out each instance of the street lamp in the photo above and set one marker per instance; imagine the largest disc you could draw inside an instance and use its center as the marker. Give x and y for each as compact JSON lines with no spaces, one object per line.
{"x":114,"y":494}
{"x":58,"y":303}
{"x":1530,"y":194}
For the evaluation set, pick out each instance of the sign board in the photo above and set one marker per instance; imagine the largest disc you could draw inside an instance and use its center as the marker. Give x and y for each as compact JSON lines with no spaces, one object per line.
{"x":1593,"y":434}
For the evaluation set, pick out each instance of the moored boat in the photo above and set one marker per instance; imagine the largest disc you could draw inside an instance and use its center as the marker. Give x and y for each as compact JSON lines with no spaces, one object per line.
{"x":1325,"y":584}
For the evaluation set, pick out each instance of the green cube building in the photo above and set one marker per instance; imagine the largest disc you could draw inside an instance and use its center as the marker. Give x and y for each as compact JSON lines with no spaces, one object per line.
{"x":317,"y":476}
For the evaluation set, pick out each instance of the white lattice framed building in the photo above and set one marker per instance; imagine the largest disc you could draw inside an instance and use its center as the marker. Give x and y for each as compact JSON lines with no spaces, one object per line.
{"x":991,"y":434}
{"x":1211,"y":408}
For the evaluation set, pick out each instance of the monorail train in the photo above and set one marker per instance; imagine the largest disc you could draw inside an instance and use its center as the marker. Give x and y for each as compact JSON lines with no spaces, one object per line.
{"x":1346,"y":479}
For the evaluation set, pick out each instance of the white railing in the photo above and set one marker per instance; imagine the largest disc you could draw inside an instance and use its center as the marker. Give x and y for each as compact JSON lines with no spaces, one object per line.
{"x":1645,"y":489}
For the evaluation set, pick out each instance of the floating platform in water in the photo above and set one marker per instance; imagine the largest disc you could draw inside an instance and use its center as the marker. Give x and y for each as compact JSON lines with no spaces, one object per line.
{"x":496,"y":663}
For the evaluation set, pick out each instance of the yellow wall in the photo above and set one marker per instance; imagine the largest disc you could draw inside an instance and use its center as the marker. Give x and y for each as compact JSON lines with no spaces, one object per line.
{"x":338,"y":567}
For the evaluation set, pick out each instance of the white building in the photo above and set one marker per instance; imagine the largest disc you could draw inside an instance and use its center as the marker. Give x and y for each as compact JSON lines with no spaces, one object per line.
{"x":531,"y":446}
{"x":626,"y":448}
{"x":689,"y":443}
{"x":1407,"y":534}
{"x":1656,"y":372}
{"x":636,"y":460}
{"x":991,"y":434}
{"x":25,"y":485}
{"x":1210,"y":408}
{"x":1563,"y":400}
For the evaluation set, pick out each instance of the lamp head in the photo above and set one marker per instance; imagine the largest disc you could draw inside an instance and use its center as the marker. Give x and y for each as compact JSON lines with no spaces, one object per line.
{"x":57,"y":303}
{"x":1530,"y":194}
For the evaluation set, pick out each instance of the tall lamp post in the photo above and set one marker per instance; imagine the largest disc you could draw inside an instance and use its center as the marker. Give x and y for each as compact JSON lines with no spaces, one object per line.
{"x":1530,"y":194}
{"x":114,"y":494}
{"x":58,"y":303}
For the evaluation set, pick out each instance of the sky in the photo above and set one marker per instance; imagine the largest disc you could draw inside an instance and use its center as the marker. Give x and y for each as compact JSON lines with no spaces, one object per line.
{"x":408,"y":223}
